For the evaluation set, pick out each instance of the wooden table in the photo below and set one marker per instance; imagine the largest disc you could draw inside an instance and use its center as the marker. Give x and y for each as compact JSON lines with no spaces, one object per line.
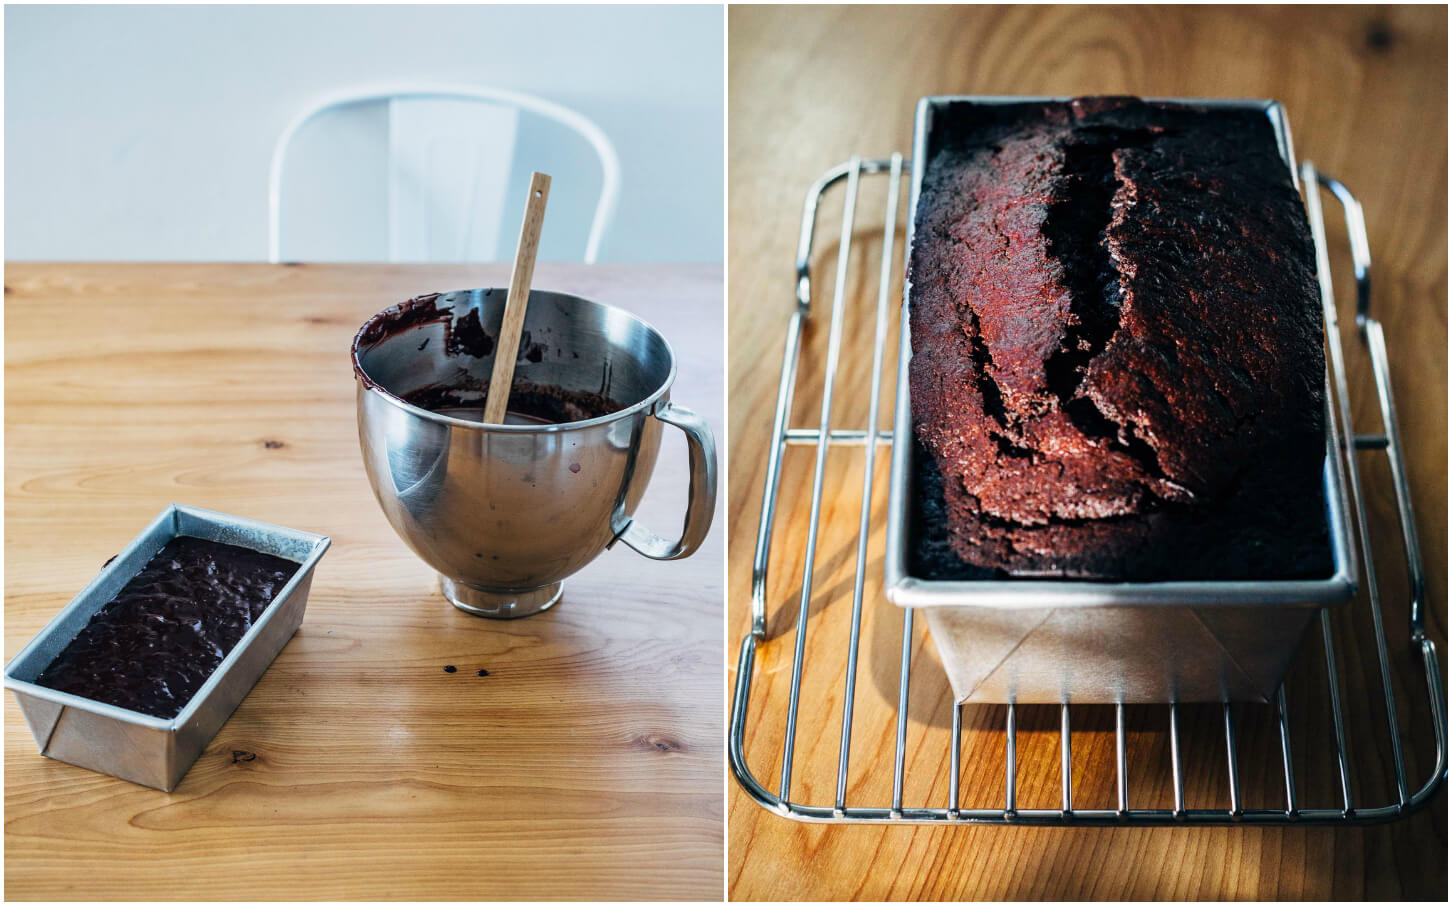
{"x":586,"y":765}
{"x":809,"y":86}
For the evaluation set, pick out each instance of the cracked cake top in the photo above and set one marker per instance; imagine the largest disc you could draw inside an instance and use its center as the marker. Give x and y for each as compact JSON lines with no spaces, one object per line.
{"x":1114,"y":314}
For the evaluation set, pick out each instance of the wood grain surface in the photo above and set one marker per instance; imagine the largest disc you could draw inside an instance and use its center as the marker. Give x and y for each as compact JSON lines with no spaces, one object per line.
{"x":586,"y":765}
{"x":809,"y":86}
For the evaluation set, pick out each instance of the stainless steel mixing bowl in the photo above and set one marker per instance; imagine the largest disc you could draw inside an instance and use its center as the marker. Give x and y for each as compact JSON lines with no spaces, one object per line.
{"x":505,"y":513}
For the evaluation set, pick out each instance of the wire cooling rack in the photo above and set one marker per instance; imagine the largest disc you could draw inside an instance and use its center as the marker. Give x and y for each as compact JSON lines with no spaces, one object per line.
{"x":1381,"y":732}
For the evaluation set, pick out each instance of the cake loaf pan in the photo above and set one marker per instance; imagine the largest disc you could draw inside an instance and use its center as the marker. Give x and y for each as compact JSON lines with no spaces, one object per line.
{"x":1060,"y":641}
{"x":153,"y":751}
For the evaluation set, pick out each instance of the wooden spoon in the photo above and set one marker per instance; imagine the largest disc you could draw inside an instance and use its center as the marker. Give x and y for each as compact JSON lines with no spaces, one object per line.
{"x":506,"y":351}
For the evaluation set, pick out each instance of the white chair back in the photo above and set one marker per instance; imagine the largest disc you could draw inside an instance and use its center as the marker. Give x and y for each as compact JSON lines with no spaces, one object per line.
{"x":450,"y":150}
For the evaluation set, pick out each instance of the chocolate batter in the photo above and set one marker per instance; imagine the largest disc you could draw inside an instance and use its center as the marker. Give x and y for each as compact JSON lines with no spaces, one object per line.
{"x":535,"y":402}
{"x":154,"y":644}
{"x":463,"y":396}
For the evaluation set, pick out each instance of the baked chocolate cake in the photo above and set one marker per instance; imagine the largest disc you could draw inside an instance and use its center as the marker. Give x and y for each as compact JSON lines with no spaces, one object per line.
{"x":1117,"y":363}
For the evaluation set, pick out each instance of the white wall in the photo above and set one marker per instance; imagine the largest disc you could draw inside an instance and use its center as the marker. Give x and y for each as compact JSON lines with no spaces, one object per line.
{"x":145,"y":132}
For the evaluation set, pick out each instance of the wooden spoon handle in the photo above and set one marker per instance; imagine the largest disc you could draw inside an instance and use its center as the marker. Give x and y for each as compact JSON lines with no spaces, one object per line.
{"x":512,"y":327}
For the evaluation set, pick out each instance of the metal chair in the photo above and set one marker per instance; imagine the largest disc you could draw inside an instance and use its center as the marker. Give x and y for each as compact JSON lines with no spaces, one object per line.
{"x":499,"y":114}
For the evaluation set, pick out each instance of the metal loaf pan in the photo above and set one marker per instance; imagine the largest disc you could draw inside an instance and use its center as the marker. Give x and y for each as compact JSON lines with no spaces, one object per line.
{"x":1060,"y":641}
{"x":153,"y":751}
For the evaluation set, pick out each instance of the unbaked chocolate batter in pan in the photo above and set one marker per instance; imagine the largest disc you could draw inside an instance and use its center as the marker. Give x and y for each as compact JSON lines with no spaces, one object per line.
{"x":153,"y":645}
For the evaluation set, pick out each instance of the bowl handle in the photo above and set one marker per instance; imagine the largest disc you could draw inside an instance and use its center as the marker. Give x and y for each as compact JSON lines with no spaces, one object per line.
{"x":701,"y":501}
